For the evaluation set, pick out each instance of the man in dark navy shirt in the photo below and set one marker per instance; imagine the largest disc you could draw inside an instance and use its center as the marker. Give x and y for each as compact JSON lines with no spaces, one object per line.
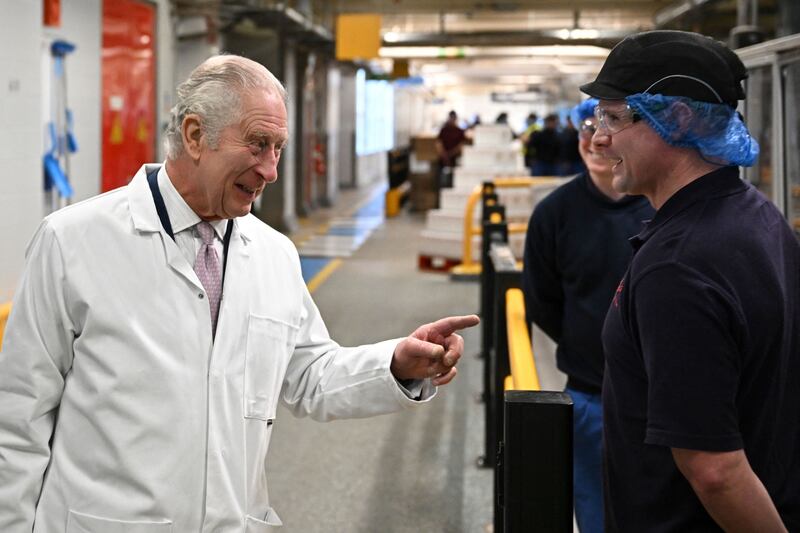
{"x":576,"y":250}
{"x":701,"y":402}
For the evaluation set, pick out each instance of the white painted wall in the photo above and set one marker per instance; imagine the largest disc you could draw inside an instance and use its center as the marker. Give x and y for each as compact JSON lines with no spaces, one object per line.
{"x":190,"y":53}
{"x":21,"y":147}
{"x":372,"y":168}
{"x":409,"y":113}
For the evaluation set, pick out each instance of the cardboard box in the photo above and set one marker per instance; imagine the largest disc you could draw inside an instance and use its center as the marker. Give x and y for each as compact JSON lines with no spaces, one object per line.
{"x":424,"y":200}
{"x":423,"y":181}
{"x":424,"y":147}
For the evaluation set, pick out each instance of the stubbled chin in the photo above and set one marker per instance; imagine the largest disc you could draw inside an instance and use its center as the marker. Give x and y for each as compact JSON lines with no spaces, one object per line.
{"x":619,"y":181}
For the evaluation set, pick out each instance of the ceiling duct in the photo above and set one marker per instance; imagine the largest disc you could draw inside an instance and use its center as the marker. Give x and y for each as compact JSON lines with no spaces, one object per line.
{"x":677,"y":10}
{"x":604,"y":38}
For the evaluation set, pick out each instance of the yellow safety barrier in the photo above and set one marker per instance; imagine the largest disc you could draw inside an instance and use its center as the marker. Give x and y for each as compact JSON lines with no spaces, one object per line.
{"x":508,"y":383}
{"x":520,"y":352}
{"x":468,"y":266}
{"x":394,"y":199}
{"x":5,"y":310}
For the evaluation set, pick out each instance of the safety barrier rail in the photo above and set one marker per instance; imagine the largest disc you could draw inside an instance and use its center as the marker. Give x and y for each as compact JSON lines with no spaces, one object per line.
{"x":520,"y":352}
{"x":528,"y":432}
{"x":5,"y":310}
{"x":468,"y":266}
{"x":399,"y":186}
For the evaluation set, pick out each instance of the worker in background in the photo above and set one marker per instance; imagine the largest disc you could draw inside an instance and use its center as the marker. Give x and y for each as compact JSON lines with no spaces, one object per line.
{"x":531,"y":125}
{"x":501,"y":118}
{"x":135,"y":396}
{"x":576,"y":251}
{"x":545,"y":147}
{"x":450,"y":141}
{"x":702,"y":340}
{"x":570,"y":161}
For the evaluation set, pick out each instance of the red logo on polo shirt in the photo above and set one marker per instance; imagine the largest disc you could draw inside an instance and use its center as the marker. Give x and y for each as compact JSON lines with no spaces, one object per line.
{"x":619,"y":291}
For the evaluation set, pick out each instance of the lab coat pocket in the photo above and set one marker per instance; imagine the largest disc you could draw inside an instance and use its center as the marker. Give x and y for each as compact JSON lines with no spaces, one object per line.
{"x":269,"y":346}
{"x":256,"y":525}
{"x":85,"y":523}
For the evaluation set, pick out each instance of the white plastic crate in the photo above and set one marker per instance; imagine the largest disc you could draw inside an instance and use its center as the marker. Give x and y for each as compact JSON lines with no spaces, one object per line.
{"x":446,"y":245}
{"x":492,"y":135}
{"x":437,"y":244}
{"x":493,"y":159}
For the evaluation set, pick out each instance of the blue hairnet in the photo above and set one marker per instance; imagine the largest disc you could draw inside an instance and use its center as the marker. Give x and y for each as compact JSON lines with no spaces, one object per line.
{"x":582,"y":111}
{"x":715,"y":130}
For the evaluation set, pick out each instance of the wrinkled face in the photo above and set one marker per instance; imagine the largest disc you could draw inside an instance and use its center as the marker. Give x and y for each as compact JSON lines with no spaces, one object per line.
{"x":231,"y":176}
{"x":596,"y":162}
{"x":631,"y":147}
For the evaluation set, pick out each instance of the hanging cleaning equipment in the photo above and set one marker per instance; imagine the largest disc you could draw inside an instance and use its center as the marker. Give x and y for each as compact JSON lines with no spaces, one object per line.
{"x":62,"y":140}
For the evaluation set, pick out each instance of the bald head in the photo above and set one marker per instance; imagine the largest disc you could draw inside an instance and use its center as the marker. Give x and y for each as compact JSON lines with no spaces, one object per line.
{"x":214,"y":93}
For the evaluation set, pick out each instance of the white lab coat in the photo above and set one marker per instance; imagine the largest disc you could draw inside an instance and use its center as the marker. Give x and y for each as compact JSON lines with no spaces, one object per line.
{"x":159,"y":429}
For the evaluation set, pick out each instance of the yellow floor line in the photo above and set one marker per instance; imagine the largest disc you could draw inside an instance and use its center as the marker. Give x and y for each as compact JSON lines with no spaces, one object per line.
{"x":323,"y":274}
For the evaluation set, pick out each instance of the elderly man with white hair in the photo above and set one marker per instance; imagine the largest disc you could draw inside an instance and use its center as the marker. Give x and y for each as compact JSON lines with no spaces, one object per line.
{"x":158,"y":325}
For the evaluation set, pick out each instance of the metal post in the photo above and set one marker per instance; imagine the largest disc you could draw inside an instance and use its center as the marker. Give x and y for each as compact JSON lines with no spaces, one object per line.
{"x":491,"y":233}
{"x":537,"y":463}
{"x":507,"y":276}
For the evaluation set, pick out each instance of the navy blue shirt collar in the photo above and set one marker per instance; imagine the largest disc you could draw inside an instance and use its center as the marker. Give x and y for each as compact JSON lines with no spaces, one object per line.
{"x":599,"y":196}
{"x":720,"y":182}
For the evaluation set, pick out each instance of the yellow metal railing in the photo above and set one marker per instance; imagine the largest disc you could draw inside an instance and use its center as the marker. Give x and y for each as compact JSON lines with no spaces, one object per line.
{"x":5,"y":310}
{"x":394,"y":199}
{"x":469,"y":265}
{"x":520,"y":352}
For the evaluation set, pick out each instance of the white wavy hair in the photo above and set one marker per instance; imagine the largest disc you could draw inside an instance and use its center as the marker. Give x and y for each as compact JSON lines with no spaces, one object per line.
{"x":214,"y":92}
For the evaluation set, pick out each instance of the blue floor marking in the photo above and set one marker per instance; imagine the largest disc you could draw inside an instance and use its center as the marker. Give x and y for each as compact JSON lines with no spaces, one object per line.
{"x":350,"y":232}
{"x":373,"y":208}
{"x":311,"y":266}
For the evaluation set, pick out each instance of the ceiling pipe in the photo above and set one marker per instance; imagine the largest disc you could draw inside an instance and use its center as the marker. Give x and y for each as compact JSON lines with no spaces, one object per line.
{"x":746,"y":31}
{"x":605,"y":38}
{"x":671,"y":13}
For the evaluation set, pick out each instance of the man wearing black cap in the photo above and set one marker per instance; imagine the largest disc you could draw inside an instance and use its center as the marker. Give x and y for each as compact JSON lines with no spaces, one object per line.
{"x":700,"y":398}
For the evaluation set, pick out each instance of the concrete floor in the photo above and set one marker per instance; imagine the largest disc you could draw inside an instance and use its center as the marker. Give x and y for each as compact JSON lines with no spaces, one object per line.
{"x":409,"y":472}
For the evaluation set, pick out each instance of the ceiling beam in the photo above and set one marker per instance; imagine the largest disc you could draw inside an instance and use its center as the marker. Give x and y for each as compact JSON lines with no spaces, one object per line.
{"x":407,"y":7}
{"x":604,"y":38}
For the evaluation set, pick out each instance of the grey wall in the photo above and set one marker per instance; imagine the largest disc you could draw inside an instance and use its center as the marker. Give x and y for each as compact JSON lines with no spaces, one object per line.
{"x":21,"y":144}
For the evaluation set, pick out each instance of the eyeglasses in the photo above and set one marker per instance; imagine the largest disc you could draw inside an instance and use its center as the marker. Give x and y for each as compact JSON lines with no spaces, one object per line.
{"x":587,"y":127}
{"x":615,"y":120}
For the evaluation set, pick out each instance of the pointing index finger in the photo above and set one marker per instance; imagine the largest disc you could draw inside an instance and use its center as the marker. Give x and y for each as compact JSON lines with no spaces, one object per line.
{"x":449,"y":325}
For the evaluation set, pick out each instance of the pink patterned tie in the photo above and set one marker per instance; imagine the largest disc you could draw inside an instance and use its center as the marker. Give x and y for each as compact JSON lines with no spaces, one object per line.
{"x":208,"y":270}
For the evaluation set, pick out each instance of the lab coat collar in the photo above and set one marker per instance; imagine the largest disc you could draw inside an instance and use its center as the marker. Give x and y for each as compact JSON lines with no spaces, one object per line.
{"x":143,"y":210}
{"x":140,"y":199}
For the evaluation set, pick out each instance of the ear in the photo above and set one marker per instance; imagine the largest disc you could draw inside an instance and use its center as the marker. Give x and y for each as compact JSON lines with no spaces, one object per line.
{"x":192,"y":135}
{"x":683,"y":116}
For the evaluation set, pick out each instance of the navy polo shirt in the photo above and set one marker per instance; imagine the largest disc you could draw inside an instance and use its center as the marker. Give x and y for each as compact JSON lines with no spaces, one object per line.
{"x":702,"y":352}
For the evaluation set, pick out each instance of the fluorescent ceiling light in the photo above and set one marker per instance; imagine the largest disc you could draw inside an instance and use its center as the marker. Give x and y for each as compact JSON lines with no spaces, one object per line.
{"x":456,"y":52}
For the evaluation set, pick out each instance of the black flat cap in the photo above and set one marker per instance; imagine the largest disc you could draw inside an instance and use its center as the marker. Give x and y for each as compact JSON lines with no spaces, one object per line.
{"x":672,"y":63}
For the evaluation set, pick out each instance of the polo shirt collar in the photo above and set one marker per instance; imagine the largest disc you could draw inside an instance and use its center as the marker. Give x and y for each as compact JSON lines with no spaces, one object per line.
{"x":720,"y":182}
{"x":181,"y":216}
{"x":600,"y":196}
